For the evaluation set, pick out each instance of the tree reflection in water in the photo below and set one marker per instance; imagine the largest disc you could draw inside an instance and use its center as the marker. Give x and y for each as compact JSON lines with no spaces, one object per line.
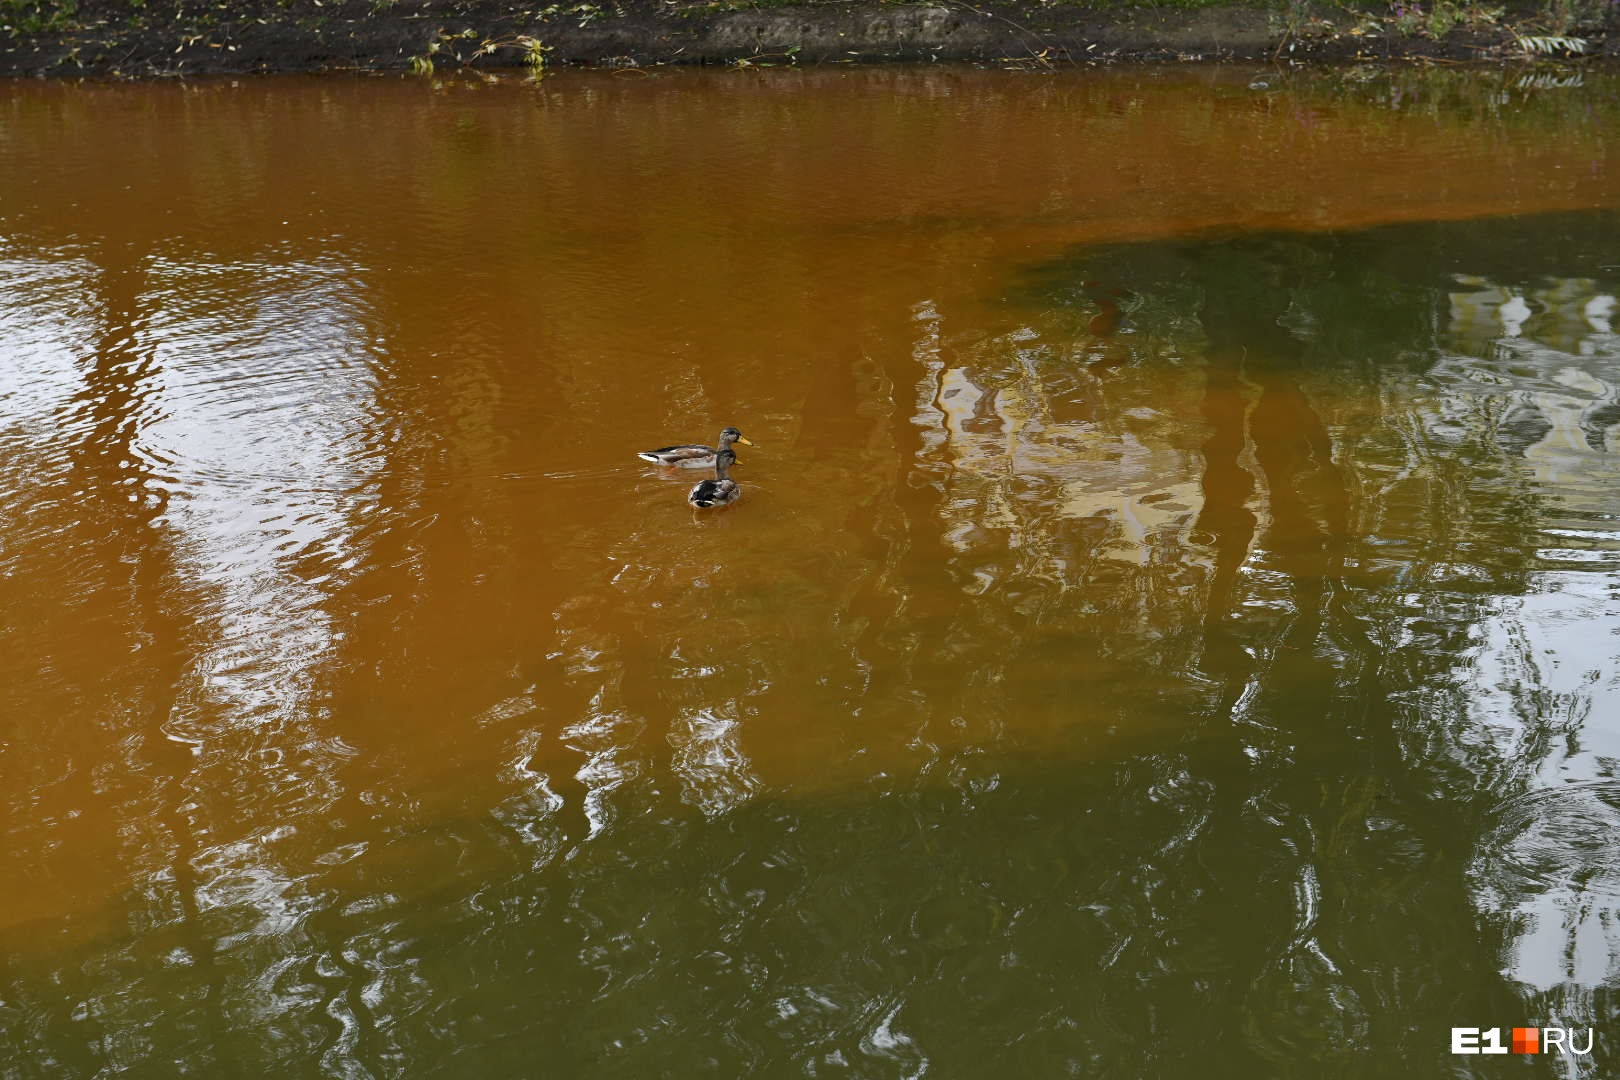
{"x":1407,"y":526}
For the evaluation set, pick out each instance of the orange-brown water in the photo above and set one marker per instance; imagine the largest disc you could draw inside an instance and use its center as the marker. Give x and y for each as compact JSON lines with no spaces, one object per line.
{"x":1175,"y":494}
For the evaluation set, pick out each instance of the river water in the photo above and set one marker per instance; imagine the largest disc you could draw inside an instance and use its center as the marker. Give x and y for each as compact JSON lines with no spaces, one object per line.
{"x":1169,"y":627}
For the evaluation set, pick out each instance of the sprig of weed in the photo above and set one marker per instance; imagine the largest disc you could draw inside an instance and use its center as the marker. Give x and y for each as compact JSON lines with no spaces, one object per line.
{"x":1551,"y":45}
{"x":767,"y":59}
{"x":531,"y":50}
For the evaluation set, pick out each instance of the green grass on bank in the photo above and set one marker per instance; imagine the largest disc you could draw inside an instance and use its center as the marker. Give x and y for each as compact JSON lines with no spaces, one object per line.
{"x":36,"y":16}
{"x":1430,"y":18}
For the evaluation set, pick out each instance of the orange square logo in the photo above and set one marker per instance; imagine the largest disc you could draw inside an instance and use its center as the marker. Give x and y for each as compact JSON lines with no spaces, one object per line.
{"x":1527,"y":1040}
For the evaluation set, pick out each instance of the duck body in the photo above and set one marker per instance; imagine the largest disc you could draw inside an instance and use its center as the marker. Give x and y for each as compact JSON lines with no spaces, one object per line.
{"x":694,"y":455}
{"x":720,"y":491}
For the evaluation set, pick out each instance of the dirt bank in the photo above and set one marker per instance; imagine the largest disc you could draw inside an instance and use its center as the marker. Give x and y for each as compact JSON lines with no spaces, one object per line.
{"x":178,"y":37}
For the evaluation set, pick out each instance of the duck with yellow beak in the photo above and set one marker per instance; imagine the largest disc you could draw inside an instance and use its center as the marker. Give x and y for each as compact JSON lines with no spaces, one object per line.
{"x":694,"y":455}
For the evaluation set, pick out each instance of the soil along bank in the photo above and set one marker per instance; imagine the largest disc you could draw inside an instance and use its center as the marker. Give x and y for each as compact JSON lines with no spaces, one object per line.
{"x":179,"y":37}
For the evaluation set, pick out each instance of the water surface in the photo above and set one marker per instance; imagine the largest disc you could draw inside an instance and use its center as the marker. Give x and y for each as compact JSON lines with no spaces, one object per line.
{"x":1170,"y":627}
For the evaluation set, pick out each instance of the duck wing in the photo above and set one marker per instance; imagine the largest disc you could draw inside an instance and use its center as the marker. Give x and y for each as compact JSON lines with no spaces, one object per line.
{"x":713,"y":493}
{"x":679,"y":455}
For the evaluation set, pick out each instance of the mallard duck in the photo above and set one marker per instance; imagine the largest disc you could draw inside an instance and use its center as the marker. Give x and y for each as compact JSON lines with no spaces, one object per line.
{"x":694,"y":456}
{"x":722,"y":490}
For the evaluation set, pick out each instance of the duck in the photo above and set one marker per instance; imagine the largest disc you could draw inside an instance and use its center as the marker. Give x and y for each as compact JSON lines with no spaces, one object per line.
{"x":722,"y":490}
{"x":694,"y":455}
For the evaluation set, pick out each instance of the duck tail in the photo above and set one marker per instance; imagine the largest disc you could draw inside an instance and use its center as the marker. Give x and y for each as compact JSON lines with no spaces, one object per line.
{"x":648,"y":455}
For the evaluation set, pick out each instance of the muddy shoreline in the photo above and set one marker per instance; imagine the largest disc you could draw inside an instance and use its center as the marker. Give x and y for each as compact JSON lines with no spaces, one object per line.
{"x":100,"y":38}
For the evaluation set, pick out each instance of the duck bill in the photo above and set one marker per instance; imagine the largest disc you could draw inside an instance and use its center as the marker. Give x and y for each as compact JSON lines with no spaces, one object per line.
{"x":746,"y":441}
